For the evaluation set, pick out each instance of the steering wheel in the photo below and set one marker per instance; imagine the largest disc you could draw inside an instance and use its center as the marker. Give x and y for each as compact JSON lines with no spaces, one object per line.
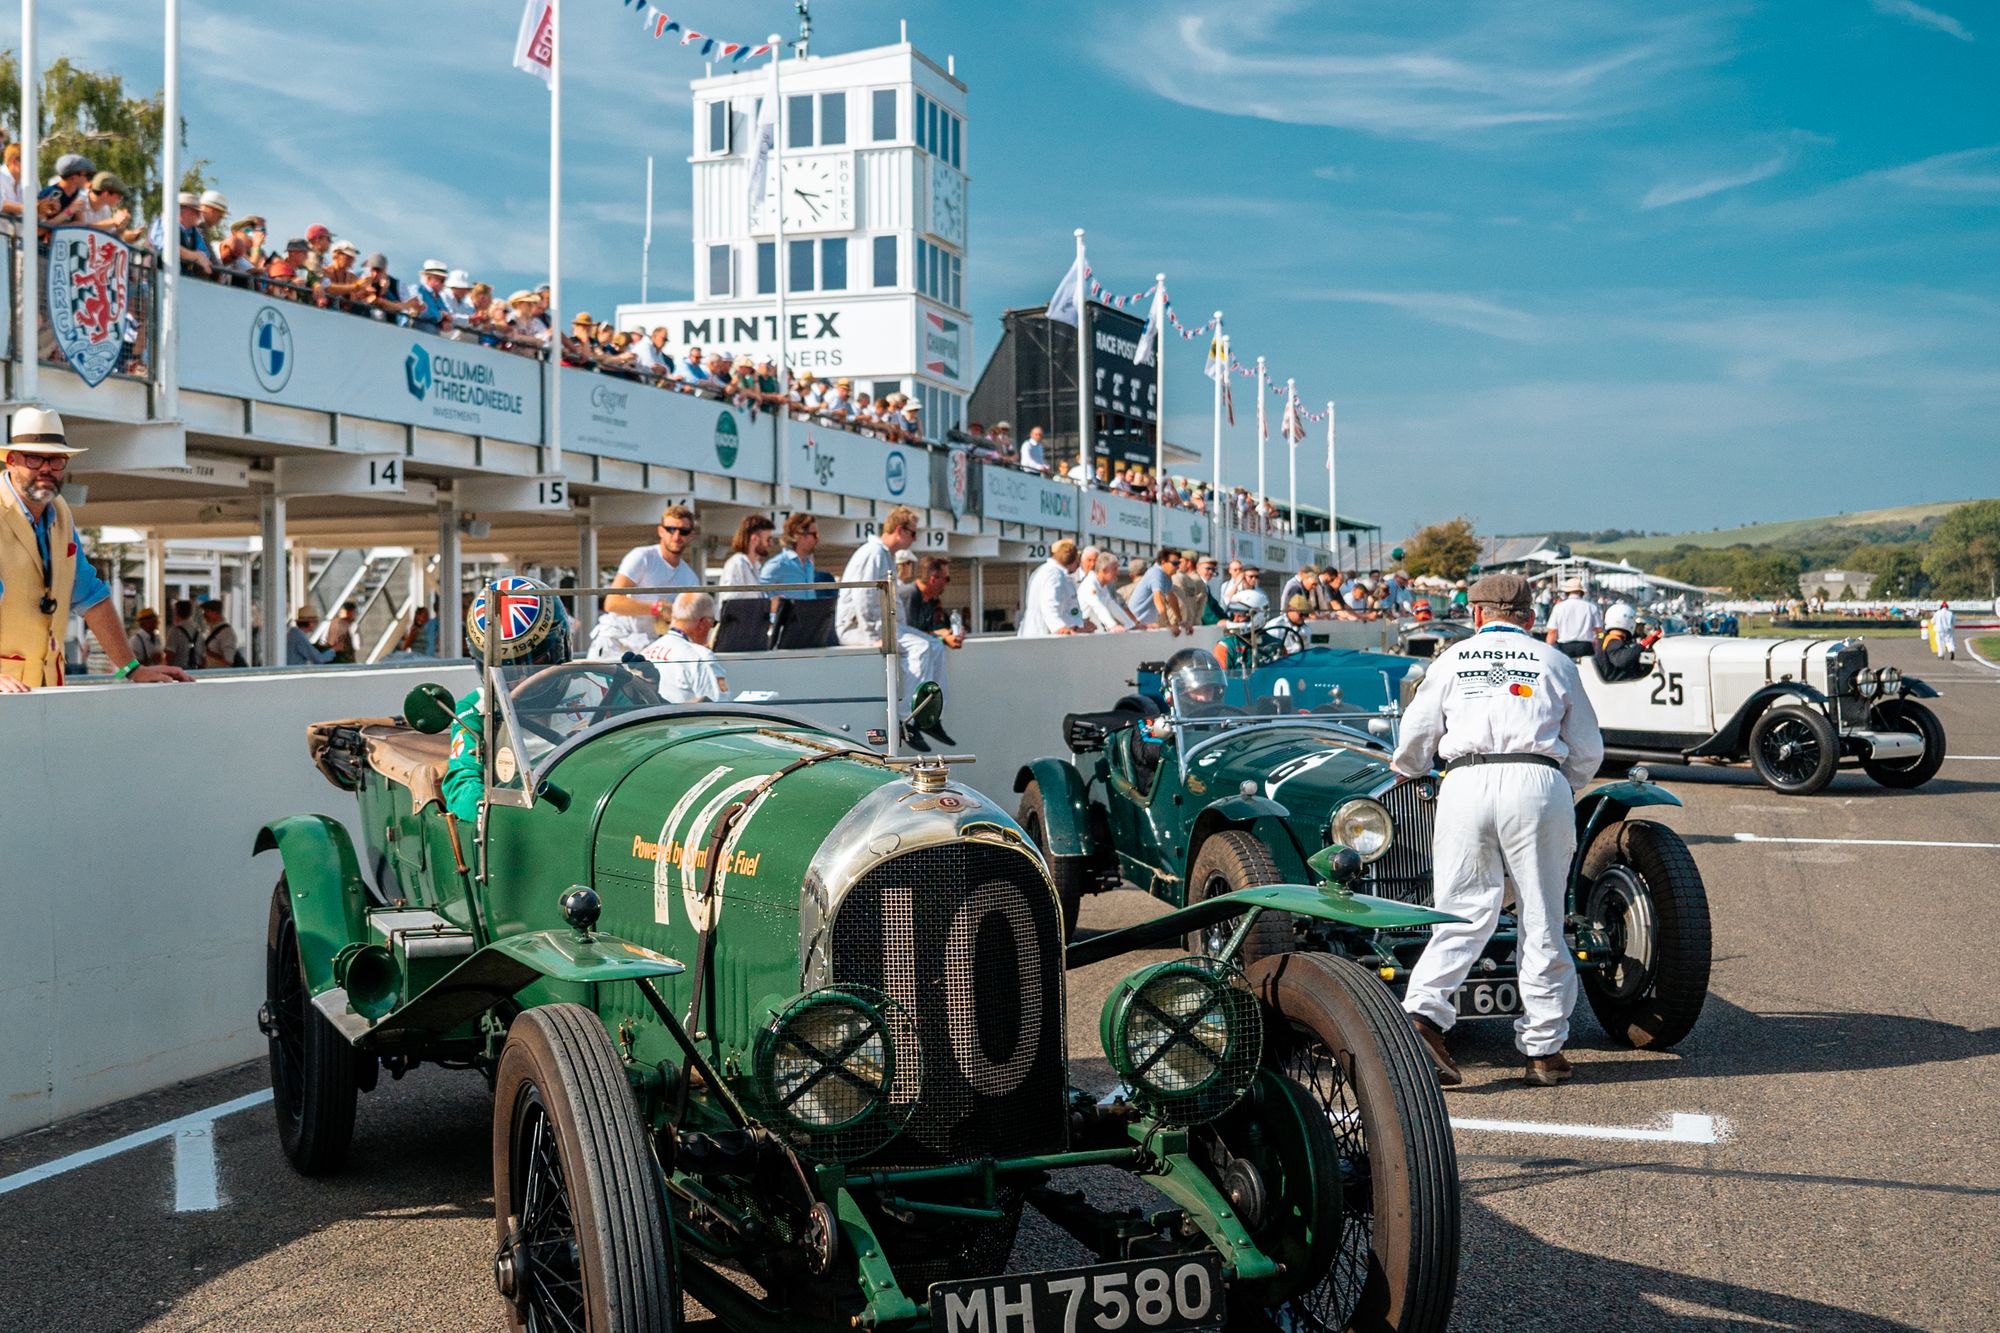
{"x":624,"y":689}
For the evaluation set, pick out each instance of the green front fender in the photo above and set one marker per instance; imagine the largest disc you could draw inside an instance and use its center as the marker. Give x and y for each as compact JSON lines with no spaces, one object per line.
{"x":329,"y":900}
{"x":1360,"y":910}
{"x":1065,"y":805}
{"x":1262,"y":818}
{"x":1613,"y":799}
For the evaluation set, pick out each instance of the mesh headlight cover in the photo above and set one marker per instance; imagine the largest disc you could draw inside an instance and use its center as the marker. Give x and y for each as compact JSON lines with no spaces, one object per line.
{"x":838,"y":1072}
{"x":1185,"y":1036}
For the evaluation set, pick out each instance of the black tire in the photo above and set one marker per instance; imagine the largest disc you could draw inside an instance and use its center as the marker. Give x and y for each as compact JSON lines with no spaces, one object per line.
{"x":1071,"y":873}
{"x":1907,"y":715}
{"x":1229,"y":861}
{"x":589,"y":1248}
{"x":1794,"y":749}
{"x":1336,"y":1031}
{"x":1639,"y":879}
{"x":314,"y":1070}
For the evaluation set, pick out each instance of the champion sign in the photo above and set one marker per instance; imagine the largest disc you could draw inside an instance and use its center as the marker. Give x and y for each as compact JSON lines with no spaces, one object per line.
{"x":941,"y":344}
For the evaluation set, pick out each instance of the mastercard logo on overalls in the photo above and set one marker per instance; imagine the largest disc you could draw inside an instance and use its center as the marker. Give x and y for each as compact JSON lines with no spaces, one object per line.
{"x":1521,"y":691}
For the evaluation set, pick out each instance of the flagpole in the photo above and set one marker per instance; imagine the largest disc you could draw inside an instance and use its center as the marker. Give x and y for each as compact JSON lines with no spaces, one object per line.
{"x":554,"y":435}
{"x":1261,"y":431}
{"x":1221,"y":345}
{"x":166,"y":357}
{"x":1332,"y":509}
{"x":1083,"y":358}
{"x":1292,"y":433}
{"x":780,"y":270}
{"x":31,"y":184}
{"x":646,"y":246}
{"x":1159,"y":399}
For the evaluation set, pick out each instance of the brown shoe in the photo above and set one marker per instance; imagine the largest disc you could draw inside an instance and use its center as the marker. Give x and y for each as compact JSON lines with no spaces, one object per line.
{"x":1433,"y":1039}
{"x":1545,"y":1071}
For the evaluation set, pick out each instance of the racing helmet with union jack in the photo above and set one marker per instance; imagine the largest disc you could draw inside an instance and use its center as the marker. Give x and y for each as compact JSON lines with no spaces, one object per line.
{"x":533,"y":628}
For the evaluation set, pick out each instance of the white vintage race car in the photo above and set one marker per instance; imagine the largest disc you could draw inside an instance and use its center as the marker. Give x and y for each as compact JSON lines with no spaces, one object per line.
{"x":1795,"y":708}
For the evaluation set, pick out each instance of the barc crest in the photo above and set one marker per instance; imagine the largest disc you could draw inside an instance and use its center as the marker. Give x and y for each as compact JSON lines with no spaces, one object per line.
{"x":88,"y":283}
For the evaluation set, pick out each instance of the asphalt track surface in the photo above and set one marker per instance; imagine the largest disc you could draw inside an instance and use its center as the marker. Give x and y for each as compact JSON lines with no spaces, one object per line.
{"x":1849,"y":1058}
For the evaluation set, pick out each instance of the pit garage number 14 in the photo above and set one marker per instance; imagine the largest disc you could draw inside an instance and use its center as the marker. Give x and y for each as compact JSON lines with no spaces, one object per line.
{"x":1163,"y":1295}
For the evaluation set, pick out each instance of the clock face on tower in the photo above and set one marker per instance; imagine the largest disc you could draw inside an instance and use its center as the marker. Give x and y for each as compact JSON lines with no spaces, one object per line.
{"x":947,"y":204}
{"x":818,"y":194}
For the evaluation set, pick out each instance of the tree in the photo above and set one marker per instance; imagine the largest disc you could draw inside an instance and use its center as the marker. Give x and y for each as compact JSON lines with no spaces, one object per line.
{"x":88,"y":112}
{"x":1763,"y":572}
{"x":1443,"y":550}
{"x":1898,"y":568}
{"x":1964,"y":555}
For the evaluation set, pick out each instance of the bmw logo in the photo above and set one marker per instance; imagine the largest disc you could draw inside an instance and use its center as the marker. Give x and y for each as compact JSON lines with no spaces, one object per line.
{"x":271,"y":348}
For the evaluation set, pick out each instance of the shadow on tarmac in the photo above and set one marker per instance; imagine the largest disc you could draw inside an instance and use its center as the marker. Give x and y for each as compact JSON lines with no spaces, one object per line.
{"x":1847,"y":782}
{"x":1512,"y":1278}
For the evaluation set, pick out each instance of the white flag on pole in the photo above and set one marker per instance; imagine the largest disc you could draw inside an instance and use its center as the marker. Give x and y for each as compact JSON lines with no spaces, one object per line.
{"x":1217,"y":368}
{"x":1149,"y":337}
{"x":535,"y":47}
{"x":1062,"y":305}
{"x":1293,"y":427}
{"x":763,"y":143}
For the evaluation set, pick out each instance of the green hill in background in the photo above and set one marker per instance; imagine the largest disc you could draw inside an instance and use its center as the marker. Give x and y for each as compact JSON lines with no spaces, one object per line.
{"x":1899,"y":523}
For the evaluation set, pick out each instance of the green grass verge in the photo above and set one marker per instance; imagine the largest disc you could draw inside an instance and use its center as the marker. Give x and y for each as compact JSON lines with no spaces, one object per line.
{"x":1987,"y":646}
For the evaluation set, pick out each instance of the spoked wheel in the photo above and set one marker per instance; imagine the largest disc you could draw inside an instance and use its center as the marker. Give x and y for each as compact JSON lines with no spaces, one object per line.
{"x":582,"y":1237}
{"x":1645,"y":889}
{"x":1070,"y":873}
{"x":1794,"y":750}
{"x":314,"y":1070}
{"x":1228,"y":861}
{"x":1339,"y":1038}
{"x":1907,"y":715}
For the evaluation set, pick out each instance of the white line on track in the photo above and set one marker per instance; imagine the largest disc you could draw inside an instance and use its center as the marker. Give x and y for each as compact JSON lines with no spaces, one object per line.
{"x":1867,"y":842}
{"x":202,"y":1120}
{"x":194,"y":1169}
{"x":1968,"y":758}
{"x":1680,"y":1128}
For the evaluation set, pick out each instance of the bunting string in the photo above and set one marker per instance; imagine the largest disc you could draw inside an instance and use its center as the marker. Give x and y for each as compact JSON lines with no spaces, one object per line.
{"x":658,"y":23}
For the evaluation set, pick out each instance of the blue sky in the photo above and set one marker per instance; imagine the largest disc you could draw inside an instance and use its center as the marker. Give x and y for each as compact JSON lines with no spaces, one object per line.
{"x":1563,"y":263}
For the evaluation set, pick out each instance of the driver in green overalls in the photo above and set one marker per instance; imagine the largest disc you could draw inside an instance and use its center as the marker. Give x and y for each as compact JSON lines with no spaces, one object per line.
{"x":533,"y":632}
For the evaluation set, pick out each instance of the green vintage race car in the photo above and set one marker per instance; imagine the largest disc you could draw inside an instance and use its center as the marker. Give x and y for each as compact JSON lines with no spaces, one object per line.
{"x":778,"y":1021}
{"x":1184,"y":795}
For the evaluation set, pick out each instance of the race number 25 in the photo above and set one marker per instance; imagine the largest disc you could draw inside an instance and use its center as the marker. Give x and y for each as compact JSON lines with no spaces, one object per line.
{"x":1667,"y":689}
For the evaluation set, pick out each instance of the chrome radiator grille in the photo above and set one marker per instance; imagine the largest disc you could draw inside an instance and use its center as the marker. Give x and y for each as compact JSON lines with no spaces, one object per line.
{"x":967,"y":937}
{"x":1404,"y":873}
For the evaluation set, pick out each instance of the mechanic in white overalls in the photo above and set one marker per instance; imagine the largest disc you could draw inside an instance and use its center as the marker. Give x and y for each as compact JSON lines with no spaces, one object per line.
{"x":1505,"y":715}
{"x":1944,"y":626}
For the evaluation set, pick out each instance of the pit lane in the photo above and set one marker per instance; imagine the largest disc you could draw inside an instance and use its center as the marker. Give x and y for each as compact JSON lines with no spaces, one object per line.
{"x":1846,"y":1068}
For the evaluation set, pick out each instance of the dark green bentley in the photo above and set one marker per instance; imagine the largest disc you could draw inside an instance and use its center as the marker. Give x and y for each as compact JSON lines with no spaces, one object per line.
{"x":1190,"y":798}
{"x":832,"y":1114}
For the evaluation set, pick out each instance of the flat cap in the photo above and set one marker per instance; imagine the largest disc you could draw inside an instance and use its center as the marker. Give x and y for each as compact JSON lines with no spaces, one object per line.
{"x":1510,"y":590}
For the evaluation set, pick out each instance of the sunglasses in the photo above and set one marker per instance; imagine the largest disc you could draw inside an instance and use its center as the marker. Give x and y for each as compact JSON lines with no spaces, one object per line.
{"x":41,"y":462}
{"x":675,"y":527}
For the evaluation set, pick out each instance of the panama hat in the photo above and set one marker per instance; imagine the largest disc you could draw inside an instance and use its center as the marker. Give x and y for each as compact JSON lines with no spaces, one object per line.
{"x":37,"y":430}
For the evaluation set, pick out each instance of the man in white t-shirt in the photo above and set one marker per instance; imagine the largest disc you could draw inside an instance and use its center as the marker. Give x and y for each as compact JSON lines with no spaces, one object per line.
{"x":626,"y":625}
{"x":1576,"y":624}
{"x":858,"y":620}
{"x":689,"y":670}
{"x":1034,"y":455}
{"x":1096,"y":593}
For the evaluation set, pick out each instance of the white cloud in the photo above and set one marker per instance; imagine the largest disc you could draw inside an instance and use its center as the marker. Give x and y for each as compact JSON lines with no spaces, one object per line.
{"x":1663,"y":195}
{"x":1951,"y":173}
{"x":1523,"y":66}
{"x":1929,"y":18}
{"x":1458,"y":310}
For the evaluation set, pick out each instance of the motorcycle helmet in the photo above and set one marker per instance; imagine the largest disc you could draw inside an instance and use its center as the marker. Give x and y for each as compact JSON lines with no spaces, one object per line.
{"x":1619,"y":615}
{"x":1193,"y":679}
{"x":533,"y":629}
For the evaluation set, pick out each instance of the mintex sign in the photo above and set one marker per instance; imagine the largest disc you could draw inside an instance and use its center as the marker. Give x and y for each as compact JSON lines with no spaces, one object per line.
{"x":842,"y":337}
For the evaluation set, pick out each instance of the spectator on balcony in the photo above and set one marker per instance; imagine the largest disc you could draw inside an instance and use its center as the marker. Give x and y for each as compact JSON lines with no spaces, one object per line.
{"x":528,"y":323}
{"x":341,"y":280}
{"x":1086,"y":565}
{"x":12,"y":204}
{"x":913,"y":417}
{"x":794,"y":564}
{"x":897,"y":424}
{"x":232,"y":254}
{"x":382,"y":293}
{"x":578,"y":349}
{"x":458,"y":297}
{"x":106,"y":208}
{"x":319,"y":243}
{"x":1191,"y":587}
{"x":649,"y":352}
{"x":1078,"y":472}
{"x":627,"y":622}
{"x":1097,"y":595}
{"x":253,"y":233}
{"x":1153,"y":600}
{"x":294,"y":258}
{"x":214,"y":208}
{"x":694,"y":372}
{"x":1300,"y":584}
{"x":1051,"y":606}
{"x":690,"y":672}
{"x":749,"y":550}
{"x":1034,"y":454}
{"x":1121,"y":482}
{"x":64,"y":198}
{"x":300,"y":650}
{"x":838,"y":404}
{"x":1003,"y":441}
{"x":770,"y":391}
{"x":423,"y":636}
{"x":430,"y":306}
